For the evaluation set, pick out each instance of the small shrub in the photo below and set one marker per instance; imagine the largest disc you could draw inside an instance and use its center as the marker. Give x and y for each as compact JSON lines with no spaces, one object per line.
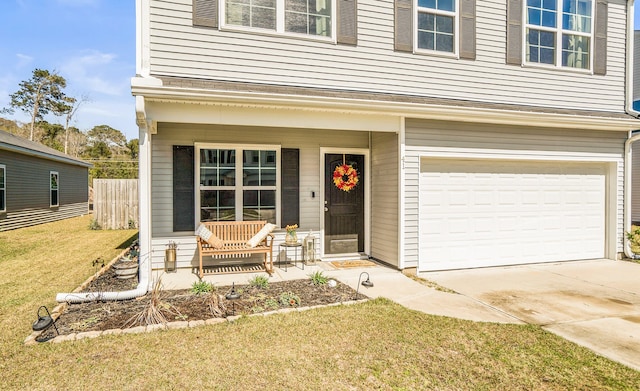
{"x":271,"y":304}
{"x":132,"y":224}
{"x":201,"y":287}
{"x":289,"y":299}
{"x":318,"y":278}
{"x":260,"y":281}
{"x":94,"y":226}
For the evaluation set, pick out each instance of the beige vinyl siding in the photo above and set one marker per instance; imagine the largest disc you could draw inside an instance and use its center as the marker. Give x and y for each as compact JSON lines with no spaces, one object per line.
{"x":179,"y":49}
{"x":423,"y":137}
{"x":384,"y":197}
{"x":308,"y":142}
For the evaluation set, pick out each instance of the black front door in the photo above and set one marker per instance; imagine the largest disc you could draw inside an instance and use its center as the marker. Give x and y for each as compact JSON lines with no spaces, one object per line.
{"x":344,"y":204}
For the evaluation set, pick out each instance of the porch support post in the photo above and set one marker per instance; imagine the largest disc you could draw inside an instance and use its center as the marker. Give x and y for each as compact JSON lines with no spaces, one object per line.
{"x":144,"y":188}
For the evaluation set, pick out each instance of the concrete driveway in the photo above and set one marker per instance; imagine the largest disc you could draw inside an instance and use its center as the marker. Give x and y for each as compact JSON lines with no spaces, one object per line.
{"x":593,"y":303}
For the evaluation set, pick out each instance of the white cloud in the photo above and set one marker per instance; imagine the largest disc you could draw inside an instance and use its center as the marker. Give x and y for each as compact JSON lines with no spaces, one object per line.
{"x":90,"y":72}
{"x":23,"y":60}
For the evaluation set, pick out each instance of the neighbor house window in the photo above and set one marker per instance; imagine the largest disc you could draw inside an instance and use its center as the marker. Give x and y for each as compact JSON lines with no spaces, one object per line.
{"x":239,"y":183}
{"x":559,"y":32}
{"x":309,"y":17}
{"x":3,"y":188}
{"x":53,"y":188}
{"x":437,"y":25}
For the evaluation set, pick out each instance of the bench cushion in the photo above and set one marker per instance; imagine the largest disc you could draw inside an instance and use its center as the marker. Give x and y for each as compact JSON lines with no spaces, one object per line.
{"x":208,"y":236}
{"x":259,"y":237}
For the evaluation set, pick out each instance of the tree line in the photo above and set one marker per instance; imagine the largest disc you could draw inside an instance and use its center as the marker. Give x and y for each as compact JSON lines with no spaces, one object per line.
{"x":106,"y":148}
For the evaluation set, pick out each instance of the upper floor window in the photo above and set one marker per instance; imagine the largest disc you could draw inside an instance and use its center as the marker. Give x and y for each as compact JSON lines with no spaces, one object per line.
{"x":437,"y":25}
{"x":309,"y":17}
{"x":559,"y":32}
{"x":3,"y":188}
{"x":53,"y":189}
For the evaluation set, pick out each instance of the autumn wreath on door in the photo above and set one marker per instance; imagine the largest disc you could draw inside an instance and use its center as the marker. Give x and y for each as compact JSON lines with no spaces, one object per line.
{"x":345,"y":177}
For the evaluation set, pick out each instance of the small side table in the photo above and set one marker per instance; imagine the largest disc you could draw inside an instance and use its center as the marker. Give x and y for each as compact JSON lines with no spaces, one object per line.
{"x":295,"y":246}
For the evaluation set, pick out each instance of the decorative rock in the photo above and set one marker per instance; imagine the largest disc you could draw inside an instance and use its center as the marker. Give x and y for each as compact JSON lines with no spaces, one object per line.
{"x":214,"y":321}
{"x":64,"y":338}
{"x":196,"y":323}
{"x":112,"y":332}
{"x":233,"y":318}
{"x":183,"y":324}
{"x":134,"y":330}
{"x":88,"y":334}
{"x":154,"y":327}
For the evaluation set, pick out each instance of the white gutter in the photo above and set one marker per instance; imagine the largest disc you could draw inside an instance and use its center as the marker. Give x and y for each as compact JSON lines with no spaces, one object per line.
{"x":628,"y":148}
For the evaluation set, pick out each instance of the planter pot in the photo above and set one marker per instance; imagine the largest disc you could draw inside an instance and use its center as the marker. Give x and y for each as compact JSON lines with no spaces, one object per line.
{"x":125,"y":270}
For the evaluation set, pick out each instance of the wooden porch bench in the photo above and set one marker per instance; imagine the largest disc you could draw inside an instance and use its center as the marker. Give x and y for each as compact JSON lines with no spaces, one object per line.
{"x":234,"y":236}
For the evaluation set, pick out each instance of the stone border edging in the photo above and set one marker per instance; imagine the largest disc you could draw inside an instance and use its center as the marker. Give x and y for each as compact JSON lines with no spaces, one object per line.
{"x":181,"y":324}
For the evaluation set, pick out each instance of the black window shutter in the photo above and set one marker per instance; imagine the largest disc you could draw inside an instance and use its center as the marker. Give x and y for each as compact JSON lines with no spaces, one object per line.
{"x":468,"y":29}
{"x":347,"y":22}
{"x":183,"y":188}
{"x":514,"y":32}
{"x":290,"y":192}
{"x":403,"y":26}
{"x":205,"y":13}
{"x":600,"y":43}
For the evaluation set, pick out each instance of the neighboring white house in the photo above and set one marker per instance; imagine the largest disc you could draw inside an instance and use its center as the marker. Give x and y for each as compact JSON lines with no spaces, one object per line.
{"x":481,"y":132}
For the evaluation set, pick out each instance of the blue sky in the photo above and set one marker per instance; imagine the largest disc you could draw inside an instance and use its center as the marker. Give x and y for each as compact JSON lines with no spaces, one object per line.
{"x":91,"y":43}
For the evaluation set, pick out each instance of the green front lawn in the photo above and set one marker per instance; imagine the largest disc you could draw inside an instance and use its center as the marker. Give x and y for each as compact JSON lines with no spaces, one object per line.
{"x":372,"y":345}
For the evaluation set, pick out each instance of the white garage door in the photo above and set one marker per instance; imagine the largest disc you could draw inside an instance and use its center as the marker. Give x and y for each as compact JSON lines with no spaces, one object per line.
{"x":477,"y":213}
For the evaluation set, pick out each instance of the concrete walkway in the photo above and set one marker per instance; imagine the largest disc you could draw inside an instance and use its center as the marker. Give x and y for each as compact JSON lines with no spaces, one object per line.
{"x":595,"y":304}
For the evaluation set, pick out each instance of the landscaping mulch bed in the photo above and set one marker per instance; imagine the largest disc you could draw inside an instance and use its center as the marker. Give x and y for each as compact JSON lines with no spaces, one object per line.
{"x":180,"y":305}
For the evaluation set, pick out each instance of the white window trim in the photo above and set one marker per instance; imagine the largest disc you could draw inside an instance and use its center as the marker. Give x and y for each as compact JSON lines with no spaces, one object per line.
{"x":238,"y":186}
{"x":3,"y":186}
{"x":279,"y":31}
{"x":51,"y":204}
{"x":456,"y":29}
{"x":559,"y":33}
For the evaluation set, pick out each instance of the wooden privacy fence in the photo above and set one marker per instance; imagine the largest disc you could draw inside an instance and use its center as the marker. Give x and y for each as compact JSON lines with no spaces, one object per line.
{"x":115,"y":203}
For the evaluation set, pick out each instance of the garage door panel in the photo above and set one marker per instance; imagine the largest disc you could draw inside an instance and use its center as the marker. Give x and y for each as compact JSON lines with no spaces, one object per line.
{"x":490,"y":213}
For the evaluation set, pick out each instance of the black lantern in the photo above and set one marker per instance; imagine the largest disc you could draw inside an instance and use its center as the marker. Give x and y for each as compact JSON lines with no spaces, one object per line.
{"x":44,"y":322}
{"x":233,"y":296}
{"x":366,"y":283}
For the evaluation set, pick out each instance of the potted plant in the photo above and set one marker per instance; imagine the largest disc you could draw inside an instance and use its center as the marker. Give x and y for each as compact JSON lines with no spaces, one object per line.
{"x":126,"y":267}
{"x":292,"y":237}
{"x":634,"y":240}
{"x":170,"y":256}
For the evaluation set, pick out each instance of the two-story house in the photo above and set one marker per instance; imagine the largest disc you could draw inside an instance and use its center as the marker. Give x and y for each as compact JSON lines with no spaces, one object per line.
{"x":426,"y":134}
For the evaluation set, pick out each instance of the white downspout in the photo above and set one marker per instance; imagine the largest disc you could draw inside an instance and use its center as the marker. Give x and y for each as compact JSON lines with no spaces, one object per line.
{"x":144,"y":233}
{"x":628,"y":148}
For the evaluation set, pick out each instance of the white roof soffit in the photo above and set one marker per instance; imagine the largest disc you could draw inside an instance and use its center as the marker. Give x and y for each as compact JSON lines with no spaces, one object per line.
{"x":400,"y":109}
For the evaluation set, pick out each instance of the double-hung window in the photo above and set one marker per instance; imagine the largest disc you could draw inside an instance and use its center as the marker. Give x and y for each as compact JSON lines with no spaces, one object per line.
{"x":53,"y":189}
{"x":559,"y":32}
{"x":437,"y":25}
{"x":3,"y":188}
{"x":238,"y":183}
{"x":309,"y":17}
